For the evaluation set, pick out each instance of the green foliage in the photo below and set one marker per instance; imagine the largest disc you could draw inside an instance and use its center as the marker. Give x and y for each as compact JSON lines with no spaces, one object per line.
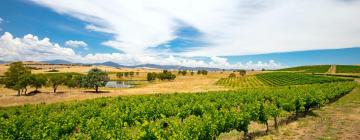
{"x":288,"y":78}
{"x":165,"y":75}
{"x":347,"y":69}
{"x":172,"y":116}
{"x":95,"y":78}
{"x":241,"y":82}
{"x":309,"y":69}
{"x":183,"y":72}
{"x":151,"y":76}
{"x":241,"y":72}
{"x":38,"y":81}
{"x":232,"y":75}
{"x":126,"y":74}
{"x":56,"y":80}
{"x":202,"y":72}
{"x":16,"y":76}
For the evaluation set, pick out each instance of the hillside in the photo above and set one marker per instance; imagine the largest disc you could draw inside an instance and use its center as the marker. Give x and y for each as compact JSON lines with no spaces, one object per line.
{"x":308,"y":69}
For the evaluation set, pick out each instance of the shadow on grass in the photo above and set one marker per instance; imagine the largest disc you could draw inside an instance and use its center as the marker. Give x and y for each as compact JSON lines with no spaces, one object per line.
{"x":91,"y":91}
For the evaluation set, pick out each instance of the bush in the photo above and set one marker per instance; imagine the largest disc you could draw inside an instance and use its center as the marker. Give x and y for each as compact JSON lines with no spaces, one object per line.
{"x":232,"y":75}
{"x":53,"y":70}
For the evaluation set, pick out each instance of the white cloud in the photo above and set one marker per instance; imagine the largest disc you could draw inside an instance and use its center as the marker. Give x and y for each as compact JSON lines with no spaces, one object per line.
{"x":230,"y":27}
{"x":75,"y":44}
{"x":32,"y":48}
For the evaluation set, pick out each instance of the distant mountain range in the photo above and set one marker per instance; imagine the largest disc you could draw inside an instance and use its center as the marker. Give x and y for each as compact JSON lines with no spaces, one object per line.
{"x":155,"y":66}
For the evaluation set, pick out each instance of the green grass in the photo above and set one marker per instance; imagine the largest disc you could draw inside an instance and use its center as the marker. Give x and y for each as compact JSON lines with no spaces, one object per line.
{"x":347,"y":69}
{"x":308,"y":69}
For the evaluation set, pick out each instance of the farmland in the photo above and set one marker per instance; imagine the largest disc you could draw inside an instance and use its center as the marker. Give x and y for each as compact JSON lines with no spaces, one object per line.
{"x":347,"y":69}
{"x":215,"y":103}
{"x":276,"y":79}
{"x":241,"y":82}
{"x":164,"y":116}
{"x":284,"y":79}
{"x":308,"y":69}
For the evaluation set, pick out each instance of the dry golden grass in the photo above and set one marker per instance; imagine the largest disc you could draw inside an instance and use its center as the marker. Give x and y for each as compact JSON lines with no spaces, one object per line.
{"x":195,"y":83}
{"x":3,"y":68}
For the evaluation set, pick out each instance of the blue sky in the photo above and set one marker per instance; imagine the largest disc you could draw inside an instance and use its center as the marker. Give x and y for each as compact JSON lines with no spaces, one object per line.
{"x":231,"y":34}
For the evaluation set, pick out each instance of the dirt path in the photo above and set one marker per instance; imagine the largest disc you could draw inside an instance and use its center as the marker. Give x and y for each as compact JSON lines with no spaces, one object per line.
{"x":332,"y":69}
{"x":339,"y":120}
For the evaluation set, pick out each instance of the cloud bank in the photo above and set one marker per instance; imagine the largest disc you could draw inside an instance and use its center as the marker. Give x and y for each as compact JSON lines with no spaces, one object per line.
{"x":229,"y":27}
{"x":30,"y":47}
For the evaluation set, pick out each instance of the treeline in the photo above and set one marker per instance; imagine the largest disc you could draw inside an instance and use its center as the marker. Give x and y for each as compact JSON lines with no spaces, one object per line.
{"x":241,"y":73}
{"x":165,"y":75}
{"x":130,"y":74}
{"x":19,"y":78}
{"x":199,"y":72}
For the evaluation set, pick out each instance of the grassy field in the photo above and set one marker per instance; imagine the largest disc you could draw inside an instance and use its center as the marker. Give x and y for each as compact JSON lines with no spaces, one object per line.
{"x":347,"y":69}
{"x":308,"y":69}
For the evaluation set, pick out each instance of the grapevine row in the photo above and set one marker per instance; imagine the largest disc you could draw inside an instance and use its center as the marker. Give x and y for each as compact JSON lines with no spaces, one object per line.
{"x":175,"y":116}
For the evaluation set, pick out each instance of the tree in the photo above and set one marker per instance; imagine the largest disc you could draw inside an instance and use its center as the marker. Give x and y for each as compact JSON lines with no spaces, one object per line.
{"x":242,"y":72}
{"x":204,"y":72}
{"x":199,"y":72}
{"x":137,"y":73}
{"x":232,"y":75}
{"x":14,"y":75}
{"x":73,"y":81}
{"x":192,"y":73}
{"x":131,"y":73}
{"x":126,"y":74}
{"x":151,"y":76}
{"x":166,"y":75}
{"x":38,"y":81}
{"x":120,"y":75}
{"x":184,"y":72}
{"x":56,"y":80}
{"x":95,"y":78}
{"x":24,"y":81}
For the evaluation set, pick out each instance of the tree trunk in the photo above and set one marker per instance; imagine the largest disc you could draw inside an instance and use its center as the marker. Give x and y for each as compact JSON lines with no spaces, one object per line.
{"x":267,"y":127}
{"x":19,"y":92}
{"x":55,"y":87}
{"x":96,"y":89}
{"x":25,"y":90}
{"x":276,"y":124}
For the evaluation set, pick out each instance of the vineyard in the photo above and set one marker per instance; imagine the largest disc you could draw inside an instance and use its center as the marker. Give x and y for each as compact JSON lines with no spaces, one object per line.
{"x":285,"y":79}
{"x":347,"y":69}
{"x":276,"y":79}
{"x":241,"y":82}
{"x":172,"y":116}
{"x":308,"y":69}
